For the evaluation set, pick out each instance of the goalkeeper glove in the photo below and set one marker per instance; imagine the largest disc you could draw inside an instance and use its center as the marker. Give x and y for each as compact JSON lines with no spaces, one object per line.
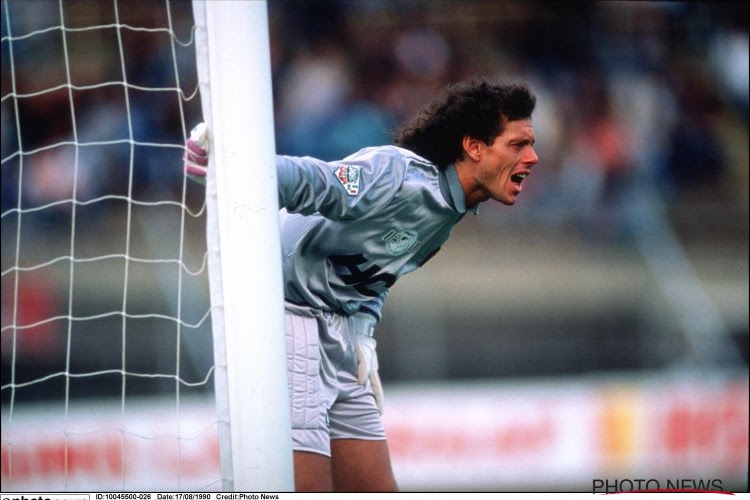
{"x":363,"y":328}
{"x":196,"y":154}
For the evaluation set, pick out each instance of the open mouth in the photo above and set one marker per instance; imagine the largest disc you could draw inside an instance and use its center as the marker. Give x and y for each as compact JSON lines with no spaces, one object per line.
{"x":517,"y":179}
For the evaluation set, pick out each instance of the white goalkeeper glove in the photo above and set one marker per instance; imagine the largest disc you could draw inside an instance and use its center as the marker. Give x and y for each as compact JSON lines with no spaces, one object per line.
{"x":196,"y":154}
{"x":363,"y":328}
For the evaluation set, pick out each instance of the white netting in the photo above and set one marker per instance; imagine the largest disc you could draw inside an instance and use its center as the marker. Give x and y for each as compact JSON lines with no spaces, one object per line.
{"x":106,"y":344}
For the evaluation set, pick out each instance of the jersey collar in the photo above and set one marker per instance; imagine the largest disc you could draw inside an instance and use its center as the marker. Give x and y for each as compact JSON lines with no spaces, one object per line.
{"x":455,"y":191}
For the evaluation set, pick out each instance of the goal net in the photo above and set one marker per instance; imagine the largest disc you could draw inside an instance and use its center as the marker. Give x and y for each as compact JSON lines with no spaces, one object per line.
{"x":107,"y":352}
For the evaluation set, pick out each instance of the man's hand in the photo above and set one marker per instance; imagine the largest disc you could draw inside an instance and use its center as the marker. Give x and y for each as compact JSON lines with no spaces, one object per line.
{"x":363,"y":328}
{"x":196,"y":154}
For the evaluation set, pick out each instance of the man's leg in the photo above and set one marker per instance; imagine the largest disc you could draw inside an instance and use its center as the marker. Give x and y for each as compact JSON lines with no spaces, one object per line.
{"x":312,"y":472}
{"x":361,"y":465}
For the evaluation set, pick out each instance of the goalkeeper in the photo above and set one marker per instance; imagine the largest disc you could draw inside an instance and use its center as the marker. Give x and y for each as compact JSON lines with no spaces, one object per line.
{"x":349,"y":230}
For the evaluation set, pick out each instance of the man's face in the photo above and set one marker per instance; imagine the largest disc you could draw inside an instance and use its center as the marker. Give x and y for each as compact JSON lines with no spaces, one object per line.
{"x":503,"y":165}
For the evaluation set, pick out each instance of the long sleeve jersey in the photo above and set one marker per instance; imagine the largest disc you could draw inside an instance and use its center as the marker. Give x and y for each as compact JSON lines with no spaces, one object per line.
{"x":351,"y":228}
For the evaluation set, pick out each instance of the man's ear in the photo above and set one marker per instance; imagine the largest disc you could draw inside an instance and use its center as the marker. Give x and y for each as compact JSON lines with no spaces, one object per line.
{"x":472,"y":147}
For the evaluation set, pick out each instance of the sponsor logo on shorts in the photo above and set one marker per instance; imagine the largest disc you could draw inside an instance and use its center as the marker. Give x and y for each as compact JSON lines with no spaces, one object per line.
{"x":400,"y":242}
{"x":349,"y":177}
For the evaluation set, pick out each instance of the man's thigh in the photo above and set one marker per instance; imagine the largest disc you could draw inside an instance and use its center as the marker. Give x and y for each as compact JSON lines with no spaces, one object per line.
{"x":361,"y":465}
{"x":312,"y":472}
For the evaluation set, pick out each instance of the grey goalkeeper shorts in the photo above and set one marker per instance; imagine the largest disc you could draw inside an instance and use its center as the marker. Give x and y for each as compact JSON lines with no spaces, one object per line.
{"x":326,"y":400}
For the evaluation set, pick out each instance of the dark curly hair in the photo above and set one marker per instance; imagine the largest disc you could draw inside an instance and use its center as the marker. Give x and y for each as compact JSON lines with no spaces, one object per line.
{"x":475,"y":108}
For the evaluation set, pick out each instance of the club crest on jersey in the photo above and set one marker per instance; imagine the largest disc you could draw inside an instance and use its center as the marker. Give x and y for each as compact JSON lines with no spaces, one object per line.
{"x":400,"y":242}
{"x":349,"y":178}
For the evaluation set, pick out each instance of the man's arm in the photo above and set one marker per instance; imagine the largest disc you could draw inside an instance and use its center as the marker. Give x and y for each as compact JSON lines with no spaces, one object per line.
{"x":375,"y":305}
{"x":348,"y":189}
{"x":362,"y":327}
{"x":356,"y":186}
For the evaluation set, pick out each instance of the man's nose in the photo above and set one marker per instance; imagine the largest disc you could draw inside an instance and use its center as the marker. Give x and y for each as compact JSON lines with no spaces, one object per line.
{"x":531,"y":158}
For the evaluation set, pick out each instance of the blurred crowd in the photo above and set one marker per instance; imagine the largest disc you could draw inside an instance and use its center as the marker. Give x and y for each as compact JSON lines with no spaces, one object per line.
{"x":628,"y":92}
{"x":651,"y":90}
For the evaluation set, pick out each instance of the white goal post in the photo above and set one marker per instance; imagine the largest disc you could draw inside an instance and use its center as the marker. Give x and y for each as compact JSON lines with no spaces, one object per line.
{"x":234,"y":73}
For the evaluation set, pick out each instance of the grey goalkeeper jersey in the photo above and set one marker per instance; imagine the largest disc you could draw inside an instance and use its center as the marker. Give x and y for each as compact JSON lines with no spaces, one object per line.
{"x":351,"y":228}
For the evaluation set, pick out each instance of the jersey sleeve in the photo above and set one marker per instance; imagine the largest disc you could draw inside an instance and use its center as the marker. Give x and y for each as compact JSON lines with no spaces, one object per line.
{"x":347,"y":189}
{"x":375,"y":306}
